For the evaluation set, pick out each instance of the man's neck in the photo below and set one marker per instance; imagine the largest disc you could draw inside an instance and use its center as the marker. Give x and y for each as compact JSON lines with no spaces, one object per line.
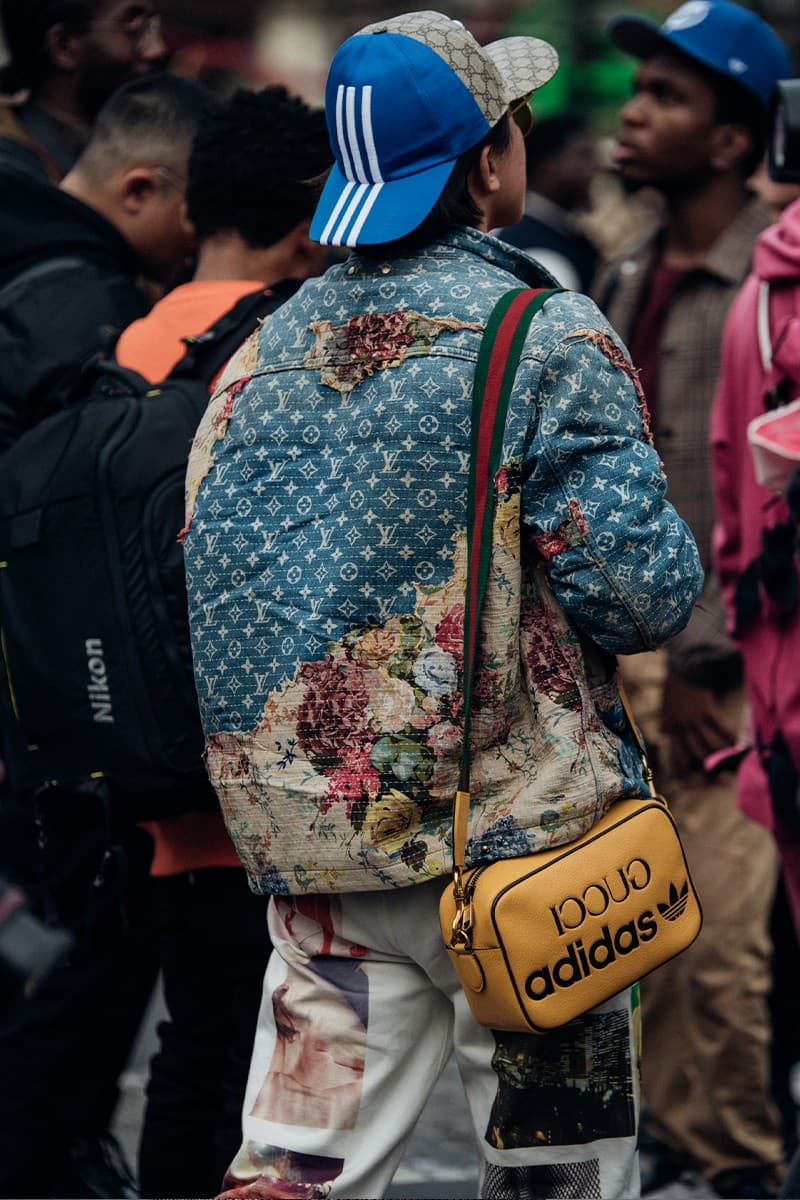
{"x":695,"y":222}
{"x":232,"y":258}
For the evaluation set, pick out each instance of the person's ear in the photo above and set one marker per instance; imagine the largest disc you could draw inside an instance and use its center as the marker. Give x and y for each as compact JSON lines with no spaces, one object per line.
{"x":136,"y":187}
{"x":730,"y":144}
{"x":186,"y":223}
{"x":483,"y":181}
{"x":63,"y":48}
{"x":297,"y":257}
{"x":483,"y":176}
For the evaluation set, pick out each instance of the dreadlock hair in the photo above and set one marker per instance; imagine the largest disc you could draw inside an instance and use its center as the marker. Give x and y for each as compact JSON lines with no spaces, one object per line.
{"x":254,"y":166}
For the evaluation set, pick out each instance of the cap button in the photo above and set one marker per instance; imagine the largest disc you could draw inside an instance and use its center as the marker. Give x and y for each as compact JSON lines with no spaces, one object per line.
{"x":351,"y":270}
{"x":386,"y":269}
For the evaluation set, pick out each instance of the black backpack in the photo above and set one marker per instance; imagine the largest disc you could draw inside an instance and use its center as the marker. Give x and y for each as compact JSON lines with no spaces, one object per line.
{"x":96,"y":677}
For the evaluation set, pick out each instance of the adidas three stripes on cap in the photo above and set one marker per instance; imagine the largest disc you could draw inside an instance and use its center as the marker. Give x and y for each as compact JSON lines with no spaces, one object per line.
{"x":404,"y":99}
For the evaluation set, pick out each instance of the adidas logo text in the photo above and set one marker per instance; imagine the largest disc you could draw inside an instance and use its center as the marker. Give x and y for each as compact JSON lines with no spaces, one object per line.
{"x":580,"y":961}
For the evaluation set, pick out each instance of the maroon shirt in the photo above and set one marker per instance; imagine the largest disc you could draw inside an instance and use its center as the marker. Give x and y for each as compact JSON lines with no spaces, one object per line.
{"x":644,"y":342}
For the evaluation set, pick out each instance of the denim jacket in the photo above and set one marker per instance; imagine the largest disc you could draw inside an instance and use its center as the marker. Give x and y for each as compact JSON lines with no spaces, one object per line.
{"x":325,"y":554}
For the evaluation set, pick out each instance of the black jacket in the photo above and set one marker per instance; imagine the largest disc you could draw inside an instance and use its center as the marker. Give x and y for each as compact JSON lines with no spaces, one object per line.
{"x":66,"y":277}
{"x":32,"y":140}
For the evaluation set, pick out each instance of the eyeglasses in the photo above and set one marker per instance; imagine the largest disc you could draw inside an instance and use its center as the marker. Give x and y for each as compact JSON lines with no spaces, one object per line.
{"x":142,"y":28}
{"x":523,"y":116}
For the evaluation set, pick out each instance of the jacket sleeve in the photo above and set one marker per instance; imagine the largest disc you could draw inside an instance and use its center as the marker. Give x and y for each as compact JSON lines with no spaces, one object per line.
{"x":621,"y":562}
{"x":703,"y":652}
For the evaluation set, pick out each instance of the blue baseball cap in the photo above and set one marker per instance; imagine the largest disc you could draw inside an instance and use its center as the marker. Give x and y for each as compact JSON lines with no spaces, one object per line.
{"x":404,"y":99}
{"x":725,"y":37}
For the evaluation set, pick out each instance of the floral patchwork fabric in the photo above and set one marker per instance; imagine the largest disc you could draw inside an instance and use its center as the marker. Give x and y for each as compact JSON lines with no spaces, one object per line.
{"x":326,"y":566}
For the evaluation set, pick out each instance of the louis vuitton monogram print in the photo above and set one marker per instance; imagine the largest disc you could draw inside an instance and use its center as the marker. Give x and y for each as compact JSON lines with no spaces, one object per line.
{"x":326,"y":554}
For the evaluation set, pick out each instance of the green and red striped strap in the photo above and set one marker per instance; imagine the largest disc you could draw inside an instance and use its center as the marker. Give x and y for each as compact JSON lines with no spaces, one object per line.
{"x":498,"y":360}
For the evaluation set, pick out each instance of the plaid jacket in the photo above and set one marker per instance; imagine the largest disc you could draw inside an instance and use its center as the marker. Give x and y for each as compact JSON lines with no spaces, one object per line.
{"x":689,"y":369}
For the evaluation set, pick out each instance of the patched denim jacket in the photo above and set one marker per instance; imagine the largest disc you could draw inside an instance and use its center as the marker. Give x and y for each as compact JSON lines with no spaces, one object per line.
{"x":325,"y":555}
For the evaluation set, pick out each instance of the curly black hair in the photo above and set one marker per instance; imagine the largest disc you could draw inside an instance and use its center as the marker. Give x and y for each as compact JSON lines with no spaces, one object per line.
{"x":254,"y":167}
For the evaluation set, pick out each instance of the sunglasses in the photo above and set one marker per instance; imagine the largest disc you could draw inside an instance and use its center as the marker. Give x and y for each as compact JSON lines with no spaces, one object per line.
{"x":523,"y":116}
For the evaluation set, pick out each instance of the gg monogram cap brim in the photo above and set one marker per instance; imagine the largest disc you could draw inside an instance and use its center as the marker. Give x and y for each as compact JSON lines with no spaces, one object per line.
{"x":404,"y":99}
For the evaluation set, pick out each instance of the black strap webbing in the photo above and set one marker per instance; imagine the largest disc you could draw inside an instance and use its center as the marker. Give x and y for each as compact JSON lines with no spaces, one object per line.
{"x":209,"y":351}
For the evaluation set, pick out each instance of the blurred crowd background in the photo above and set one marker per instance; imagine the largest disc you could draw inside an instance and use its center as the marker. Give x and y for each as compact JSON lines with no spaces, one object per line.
{"x":225,"y":43}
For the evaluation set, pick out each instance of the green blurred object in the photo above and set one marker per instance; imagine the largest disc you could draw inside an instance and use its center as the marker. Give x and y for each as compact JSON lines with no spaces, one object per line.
{"x":553,"y":20}
{"x":594,"y":77}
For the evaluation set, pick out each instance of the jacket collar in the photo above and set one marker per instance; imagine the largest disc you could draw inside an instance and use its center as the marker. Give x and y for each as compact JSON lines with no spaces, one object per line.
{"x":30,"y":152}
{"x":730,"y":256}
{"x":39,"y":220}
{"x":732,"y":253}
{"x":462,"y":241}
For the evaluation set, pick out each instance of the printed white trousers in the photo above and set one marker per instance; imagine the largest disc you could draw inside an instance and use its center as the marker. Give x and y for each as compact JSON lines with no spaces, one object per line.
{"x":360,"y":1013}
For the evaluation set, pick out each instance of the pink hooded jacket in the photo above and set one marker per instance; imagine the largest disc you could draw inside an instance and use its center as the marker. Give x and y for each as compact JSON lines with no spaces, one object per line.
{"x":771,"y":644}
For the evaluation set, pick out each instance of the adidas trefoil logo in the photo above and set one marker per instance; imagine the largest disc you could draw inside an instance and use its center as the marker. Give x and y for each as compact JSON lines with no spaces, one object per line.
{"x":676,"y":904}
